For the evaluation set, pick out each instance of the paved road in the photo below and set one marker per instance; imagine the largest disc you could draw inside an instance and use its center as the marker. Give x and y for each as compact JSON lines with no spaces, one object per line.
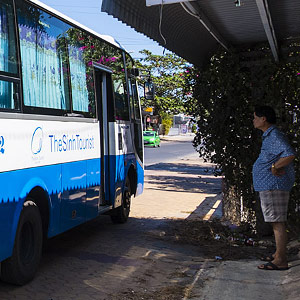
{"x":171,"y":149}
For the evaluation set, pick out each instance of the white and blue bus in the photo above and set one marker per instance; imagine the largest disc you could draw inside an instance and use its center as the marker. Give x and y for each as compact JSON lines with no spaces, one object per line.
{"x":70,"y":131}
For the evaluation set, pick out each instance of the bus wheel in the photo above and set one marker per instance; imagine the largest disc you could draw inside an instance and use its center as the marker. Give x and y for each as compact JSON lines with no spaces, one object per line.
{"x":121,"y":213}
{"x":21,"y":267}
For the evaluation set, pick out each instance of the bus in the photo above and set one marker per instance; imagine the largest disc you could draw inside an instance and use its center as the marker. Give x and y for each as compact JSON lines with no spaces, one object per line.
{"x":71,"y":143}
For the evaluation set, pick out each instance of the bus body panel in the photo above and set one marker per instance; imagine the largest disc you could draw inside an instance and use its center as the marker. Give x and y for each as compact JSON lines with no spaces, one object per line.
{"x":9,"y":214}
{"x":120,"y":166}
{"x":74,"y":182}
{"x":122,"y":156}
{"x":15,"y":186}
{"x":39,"y":154}
{"x":93,"y":188}
{"x":31,"y":143}
{"x":140,"y":179}
{"x":55,"y":180}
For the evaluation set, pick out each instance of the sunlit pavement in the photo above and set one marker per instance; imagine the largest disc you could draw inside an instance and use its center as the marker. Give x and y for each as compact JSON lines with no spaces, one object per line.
{"x":186,"y":188}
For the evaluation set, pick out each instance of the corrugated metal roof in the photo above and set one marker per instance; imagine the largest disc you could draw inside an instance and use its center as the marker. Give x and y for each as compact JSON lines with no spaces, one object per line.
{"x":237,"y":26}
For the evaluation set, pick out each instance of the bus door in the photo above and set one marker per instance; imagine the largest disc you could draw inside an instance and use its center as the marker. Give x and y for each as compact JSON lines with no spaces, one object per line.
{"x":105,"y":114}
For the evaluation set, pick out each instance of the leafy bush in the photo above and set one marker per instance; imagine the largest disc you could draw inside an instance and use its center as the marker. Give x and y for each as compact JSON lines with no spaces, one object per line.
{"x":194,"y":128}
{"x":224,"y":96}
{"x":166,"y":123}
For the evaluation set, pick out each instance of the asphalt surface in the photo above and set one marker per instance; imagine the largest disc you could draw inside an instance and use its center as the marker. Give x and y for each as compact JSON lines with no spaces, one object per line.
{"x":171,"y":149}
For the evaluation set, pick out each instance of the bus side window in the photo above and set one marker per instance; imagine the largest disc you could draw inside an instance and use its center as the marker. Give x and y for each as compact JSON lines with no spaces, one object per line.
{"x":131,"y":98}
{"x":121,"y":103}
{"x":137,"y":110}
{"x":138,"y":131}
{"x":82,"y":77}
{"x":43,"y":56}
{"x":9,"y":95}
{"x":8,"y":57}
{"x":9,"y":88}
{"x":110,"y":99}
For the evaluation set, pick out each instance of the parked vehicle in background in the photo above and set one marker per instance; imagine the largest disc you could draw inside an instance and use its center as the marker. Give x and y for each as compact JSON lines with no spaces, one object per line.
{"x":151,"y":138}
{"x":71,"y":144}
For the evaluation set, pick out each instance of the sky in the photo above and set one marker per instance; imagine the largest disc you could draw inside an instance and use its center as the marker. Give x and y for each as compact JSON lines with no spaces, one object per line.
{"x":88,"y":13}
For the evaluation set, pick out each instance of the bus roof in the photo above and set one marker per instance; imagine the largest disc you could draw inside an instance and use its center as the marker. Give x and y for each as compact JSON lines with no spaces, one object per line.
{"x":107,"y":38}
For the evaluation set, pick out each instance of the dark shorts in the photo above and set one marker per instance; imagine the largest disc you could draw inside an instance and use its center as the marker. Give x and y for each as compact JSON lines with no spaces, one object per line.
{"x":274,"y":205}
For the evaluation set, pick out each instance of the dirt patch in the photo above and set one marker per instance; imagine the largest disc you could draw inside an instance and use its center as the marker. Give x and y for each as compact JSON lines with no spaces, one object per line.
{"x":174,"y":292}
{"x":217,"y":241}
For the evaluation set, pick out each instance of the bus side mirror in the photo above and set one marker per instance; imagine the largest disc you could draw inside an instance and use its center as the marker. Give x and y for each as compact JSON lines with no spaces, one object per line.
{"x":149,"y":90}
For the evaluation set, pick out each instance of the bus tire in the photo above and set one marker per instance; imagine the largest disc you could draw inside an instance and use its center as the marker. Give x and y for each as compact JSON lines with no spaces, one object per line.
{"x":21,"y":267}
{"x":120,"y":214}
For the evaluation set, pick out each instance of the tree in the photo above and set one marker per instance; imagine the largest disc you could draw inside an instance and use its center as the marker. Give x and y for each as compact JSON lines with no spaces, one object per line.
{"x":166,"y":123}
{"x":167,"y":73}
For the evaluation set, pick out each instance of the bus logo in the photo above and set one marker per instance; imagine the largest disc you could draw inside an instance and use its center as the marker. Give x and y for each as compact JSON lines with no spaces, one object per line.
{"x":37,"y":141}
{"x":2,"y":144}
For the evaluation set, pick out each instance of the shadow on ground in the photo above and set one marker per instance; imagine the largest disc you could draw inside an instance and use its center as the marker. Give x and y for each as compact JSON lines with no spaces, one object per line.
{"x":183,"y":177}
{"x":183,"y":168}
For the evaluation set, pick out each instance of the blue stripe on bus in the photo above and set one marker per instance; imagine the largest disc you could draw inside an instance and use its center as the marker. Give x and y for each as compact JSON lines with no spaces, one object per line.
{"x":17,"y":184}
{"x":64,"y":192}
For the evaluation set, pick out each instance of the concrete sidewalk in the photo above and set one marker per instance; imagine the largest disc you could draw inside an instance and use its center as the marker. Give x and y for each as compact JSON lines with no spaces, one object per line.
{"x":179,"y":137}
{"x":241,"y":280}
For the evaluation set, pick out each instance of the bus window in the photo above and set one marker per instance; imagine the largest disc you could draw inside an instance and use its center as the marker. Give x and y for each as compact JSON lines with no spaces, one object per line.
{"x":8,"y":58}
{"x":121,"y":102}
{"x":84,"y":50}
{"x":130,"y":92}
{"x":137,"y":110}
{"x":8,"y":55}
{"x":9,"y":95}
{"x":138,"y":141}
{"x":43,"y":56}
{"x":80,"y":94}
{"x":83,"y":97}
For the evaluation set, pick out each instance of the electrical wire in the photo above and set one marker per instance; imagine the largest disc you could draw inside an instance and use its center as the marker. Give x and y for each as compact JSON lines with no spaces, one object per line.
{"x":160,"y":21}
{"x":203,"y":23}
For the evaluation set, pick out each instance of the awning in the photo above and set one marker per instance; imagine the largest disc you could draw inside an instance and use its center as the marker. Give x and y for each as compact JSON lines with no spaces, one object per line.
{"x":194,"y":30}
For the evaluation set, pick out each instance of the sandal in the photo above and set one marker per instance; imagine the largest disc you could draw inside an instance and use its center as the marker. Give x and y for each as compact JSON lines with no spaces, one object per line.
{"x":272,"y":267}
{"x":269,"y":257}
